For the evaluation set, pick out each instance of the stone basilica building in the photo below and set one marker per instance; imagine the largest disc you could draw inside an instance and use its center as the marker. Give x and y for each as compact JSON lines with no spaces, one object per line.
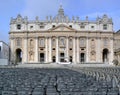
{"x":61,"y":39}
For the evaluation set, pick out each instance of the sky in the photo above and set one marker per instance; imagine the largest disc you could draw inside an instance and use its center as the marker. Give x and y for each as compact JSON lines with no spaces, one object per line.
{"x":43,"y":8}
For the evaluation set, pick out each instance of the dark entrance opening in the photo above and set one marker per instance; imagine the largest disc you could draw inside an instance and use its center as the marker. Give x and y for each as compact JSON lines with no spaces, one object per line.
{"x":70,"y":58}
{"x":105,"y":55}
{"x":62,"y":56}
{"x":54,"y":59}
{"x":82,"y":57}
{"x":42,"y":57}
{"x":18,"y":55}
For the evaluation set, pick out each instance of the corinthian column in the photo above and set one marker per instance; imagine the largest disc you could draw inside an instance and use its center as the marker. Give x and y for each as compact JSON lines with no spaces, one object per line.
{"x":26,"y":50}
{"x":46,"y":50}
{"x":77,"y":50}
{"x":67,"y":49}
{"x":74,"y":49}
{"x":57,"y":48}
{"x":87,"y":49}
{"x":50,"y":50}
{"x":36,"y":49}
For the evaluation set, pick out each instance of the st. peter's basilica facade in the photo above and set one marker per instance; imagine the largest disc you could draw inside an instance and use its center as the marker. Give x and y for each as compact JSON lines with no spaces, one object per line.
{"x":61,"y":39}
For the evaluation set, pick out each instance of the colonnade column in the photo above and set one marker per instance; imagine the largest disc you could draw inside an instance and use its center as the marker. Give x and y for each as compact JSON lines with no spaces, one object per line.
{"x":74,"y":50}
{"x":78,"y":61}
{"x":50,"y":50}
{"x":87,"y":49}
{"x":111,"y":51}
{"x":26,"y":50}
{"x":46,"y":49}
{"x":98,"y":53}
{"x":57,"y":48}
{"x":67,"y":49}
{"x":12,"y":57}
{"x":36,"y":49}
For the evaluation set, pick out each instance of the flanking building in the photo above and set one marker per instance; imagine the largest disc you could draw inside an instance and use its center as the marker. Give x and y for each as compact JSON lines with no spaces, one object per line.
{"x":61,"y":39}
{"x":4,"y":53}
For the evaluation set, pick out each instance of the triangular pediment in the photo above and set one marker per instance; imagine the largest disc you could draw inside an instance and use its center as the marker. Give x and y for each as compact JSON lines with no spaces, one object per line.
{"x":62,"y":27}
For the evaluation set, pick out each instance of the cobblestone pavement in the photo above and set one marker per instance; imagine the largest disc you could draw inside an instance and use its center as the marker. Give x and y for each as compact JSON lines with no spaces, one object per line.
{"x":76,"y":81}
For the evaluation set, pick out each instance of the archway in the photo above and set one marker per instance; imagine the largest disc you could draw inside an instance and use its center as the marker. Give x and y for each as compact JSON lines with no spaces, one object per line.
{"x":18,"y":55}
{"x":105,"y":55}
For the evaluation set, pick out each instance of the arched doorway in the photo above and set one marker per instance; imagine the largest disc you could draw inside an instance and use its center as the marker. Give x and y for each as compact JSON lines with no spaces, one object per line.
{"x":105,"y":55}
{"x":18,"y":55}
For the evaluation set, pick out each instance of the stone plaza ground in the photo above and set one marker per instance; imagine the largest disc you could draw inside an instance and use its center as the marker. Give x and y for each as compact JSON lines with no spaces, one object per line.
{"x":59,"y":80}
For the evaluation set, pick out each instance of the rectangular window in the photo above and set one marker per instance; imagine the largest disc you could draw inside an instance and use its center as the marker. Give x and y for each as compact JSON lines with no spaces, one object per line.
{"x":19,"y":26}
{"x":92,"y":27}
{"x":105,"y":27}
{"x":31,"y":27}
{"x":41,"y":27}
{"x":82,"y":26}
